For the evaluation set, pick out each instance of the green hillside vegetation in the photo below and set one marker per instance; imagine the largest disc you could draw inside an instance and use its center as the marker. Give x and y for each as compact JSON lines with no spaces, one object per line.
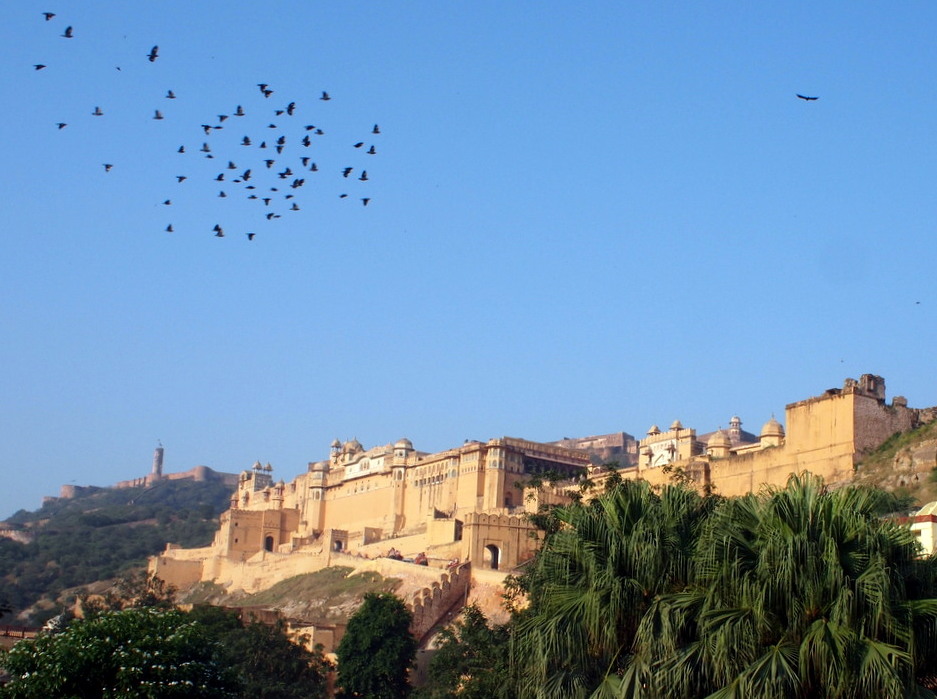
{"x":877,"y":468}
{"x":98,"y":536}
{"x":329,"y":595}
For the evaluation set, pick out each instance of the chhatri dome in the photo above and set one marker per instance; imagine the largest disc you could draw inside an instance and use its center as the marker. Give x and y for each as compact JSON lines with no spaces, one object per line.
{"x":772,"y":428}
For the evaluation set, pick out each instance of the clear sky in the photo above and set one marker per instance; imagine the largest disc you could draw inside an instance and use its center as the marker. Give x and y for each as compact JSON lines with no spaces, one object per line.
{"x":584,"y":218}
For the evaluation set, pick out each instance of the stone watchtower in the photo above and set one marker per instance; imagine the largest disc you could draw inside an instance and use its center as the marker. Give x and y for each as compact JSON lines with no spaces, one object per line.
{"x":157,"y":471}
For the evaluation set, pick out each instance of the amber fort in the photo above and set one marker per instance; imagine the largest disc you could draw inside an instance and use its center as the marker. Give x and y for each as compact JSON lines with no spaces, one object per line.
{"x":469,"y":504}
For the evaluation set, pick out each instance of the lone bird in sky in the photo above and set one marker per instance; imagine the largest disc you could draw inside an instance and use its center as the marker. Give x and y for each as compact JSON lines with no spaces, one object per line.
{"x":39,"y":66}
{"x":153,"y":54}
{"x":48,"y":15}
{"x":325,"y":96}
{"x":158,"y":115}
{"x":170,"y":95}
{"x":68,"y":33}
{"x":807,"y":99}
{"x":97,"y":112}
{"x":61,"y":125}
{"x":107,"y":167}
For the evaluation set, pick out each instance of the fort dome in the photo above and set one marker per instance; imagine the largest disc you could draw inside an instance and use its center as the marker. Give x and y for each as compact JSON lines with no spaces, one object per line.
{"x":654,"y":429}
{"x":403,"y":444}
{"x":352,"y":447}
{"x":676,"y":425}
{"x":719,"y":438}
{"x":772,"y":428}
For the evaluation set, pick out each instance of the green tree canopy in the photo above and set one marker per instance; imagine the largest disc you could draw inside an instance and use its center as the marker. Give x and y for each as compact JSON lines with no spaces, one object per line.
{"x":377,"y":651}
{"x":148,"y":653}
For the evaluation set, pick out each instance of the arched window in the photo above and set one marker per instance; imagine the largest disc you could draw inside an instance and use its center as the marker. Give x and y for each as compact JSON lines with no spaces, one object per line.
{"x":268,"y":543}
{"x":492,"y":556}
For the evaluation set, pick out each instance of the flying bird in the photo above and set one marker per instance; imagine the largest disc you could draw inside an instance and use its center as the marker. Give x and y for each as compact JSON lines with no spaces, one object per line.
{"x":342,"y":196}
{"x":48,"y":15}
{"x":294,"y":207}
{"x":376,"y":129}
{"x":170,"y":95}
{"x":364,"y":176}
{"x":38,"y":66}
{"x":269,"y":163}
{"x":314,"y":168}
{"x":290,"y":108}
{"x":205,"y":148}
{"x":306,"y":142}
{"x":222,"y":117}
{"x":246,"y":141}
{"x":107,"y":167}
{"x":808,"y":99}
{"x":181,"y":149}
{"x":167,"y":202}
{"x":347,"y":171}
{"x":153,"y":54}
{"x":158,"y":115}
{"x":169,"y":228}
{"x":181,"y":178}
{"x":325,"y":96}
{"x":61,"y":125}
{"x":372,"y":150}
{"x":222,"y":194}
{"x":97,"y":112}
{"x":279,"y":112}
{"x":232,"y":166}
{"x":220,"y":177}
{"x":206,"y":128}
{"x":68,"y":33}
{"x":364,"y":201}
{"x":267,"y":93}
{"x":250,"y":236}
{"x":359,"y":144}
{"x":239,"y":111}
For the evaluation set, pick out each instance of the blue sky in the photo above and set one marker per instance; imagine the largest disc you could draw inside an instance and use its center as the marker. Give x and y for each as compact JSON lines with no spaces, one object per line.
{"x":583,"y":218}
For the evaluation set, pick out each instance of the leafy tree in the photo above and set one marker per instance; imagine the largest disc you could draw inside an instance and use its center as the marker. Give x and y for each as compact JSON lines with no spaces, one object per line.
{"x":377,"y":650}
{"x":267,"y":663}
{"x":471,"y":661}
{"x":148,"y":653}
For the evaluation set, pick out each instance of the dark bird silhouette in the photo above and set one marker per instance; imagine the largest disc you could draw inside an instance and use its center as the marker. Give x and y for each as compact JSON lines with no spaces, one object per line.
{"x":222,"y":117}
{"x":290,"y":108}
{"x":364,"y":176}
{"x":222,"y":194}
{"x":246,"y":175}
{"x":319,"y":132}
{"x":252,"y":196}
{"x":309,"y":127}
{"x":250,"y":236}
{"x":365,"y":200}
{"x":304,"y":160}
{"x":299,"y":182}
{"x":262,"y":86}
{"x":205,"y":148}
{"x":97,"y":112}
{"x":239,"y":111}
{"x":288,"y":196}
{"x":269,"y":163}
{"x":808,"y":99}
{"x":279,"y":112}
{"x":347,"y":171}
{"x":38,"y":66}
{"x":220,"y":177}
{"x":68,"y":33}
{"x":372,"y":150}
{"x":167,"y":202}
{"x":206,"y":128}
{"x":232,"y":166}
{"x":342,"y":196}
{"x":107,"y":167}
{"x":169,"y":228}
{"x":267,"y":93}
{"x":325,"y":96}
{"x":219,"y":231}
{"x":170,"y":95}
{"x":314,"y":168}
{"x":61,"y":125}
{"x":153,"y":54}
{"x":246,"y":141}
{"x":376,"y":129}
{"x":359,"y":144}
{"x":181,"y":178}
{"x":158,"y":115}
{"x":263,"y":144}
{"x":294,"y":207}
{"x":279,"y":149}
{"x":271,"y":126}
{"x":281,"y":140}
{"x":181,"y":149}
{"x":271,"y":215}
{"x":266,"y":201}
{"x":48,"y":15}
{"x":306,"y":142}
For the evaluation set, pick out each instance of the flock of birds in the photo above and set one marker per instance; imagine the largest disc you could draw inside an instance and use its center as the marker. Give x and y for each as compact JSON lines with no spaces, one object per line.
{"x":271,"y":169}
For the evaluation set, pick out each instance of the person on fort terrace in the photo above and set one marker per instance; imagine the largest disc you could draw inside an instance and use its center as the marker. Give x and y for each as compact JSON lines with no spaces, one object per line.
{"x":421,"y":559}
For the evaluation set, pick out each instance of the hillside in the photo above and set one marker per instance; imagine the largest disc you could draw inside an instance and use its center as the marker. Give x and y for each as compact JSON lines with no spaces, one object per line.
{"x":95,"y":536}
{"x":905,"y":464}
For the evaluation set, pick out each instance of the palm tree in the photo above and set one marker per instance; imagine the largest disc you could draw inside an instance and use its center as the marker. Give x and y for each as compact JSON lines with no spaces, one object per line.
{"x":798,"y":592}
{"x":593,"y":580}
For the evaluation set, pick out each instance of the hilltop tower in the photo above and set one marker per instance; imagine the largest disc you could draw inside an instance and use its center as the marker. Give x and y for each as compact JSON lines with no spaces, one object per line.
{"x":157,"y":472}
